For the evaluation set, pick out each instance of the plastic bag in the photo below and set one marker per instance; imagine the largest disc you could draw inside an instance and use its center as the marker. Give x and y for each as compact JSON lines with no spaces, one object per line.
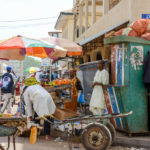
{"x":81,"y":98}
{"x":140,"y":26}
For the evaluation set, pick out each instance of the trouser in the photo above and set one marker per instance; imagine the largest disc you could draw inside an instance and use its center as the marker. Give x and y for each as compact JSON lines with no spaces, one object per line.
{"x":47,"y":126}
{"x":7,"y":103}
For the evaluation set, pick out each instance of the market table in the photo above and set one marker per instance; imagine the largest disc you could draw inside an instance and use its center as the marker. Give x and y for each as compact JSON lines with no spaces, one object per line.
{"x":59,"y":89}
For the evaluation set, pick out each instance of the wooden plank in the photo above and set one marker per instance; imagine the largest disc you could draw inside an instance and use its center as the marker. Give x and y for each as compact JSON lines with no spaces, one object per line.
{"x":59,"y":88}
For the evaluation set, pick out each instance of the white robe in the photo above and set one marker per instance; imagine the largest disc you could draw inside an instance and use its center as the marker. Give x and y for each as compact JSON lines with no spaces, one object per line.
{"x":97,"y":103}
{"x":38,"y":99}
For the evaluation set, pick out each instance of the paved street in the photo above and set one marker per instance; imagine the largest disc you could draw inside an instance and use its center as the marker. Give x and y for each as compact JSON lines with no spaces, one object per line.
{"x":23,"y":144}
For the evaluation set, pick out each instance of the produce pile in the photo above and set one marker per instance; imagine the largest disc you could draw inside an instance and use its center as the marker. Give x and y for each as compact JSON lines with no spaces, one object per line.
{"x":57,"y":82}
{"x":30,"y":81}
{"x":140,"y":28}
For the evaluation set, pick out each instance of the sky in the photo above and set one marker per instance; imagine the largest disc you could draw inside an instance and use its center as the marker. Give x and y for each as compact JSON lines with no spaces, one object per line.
{"x":14,"y":12}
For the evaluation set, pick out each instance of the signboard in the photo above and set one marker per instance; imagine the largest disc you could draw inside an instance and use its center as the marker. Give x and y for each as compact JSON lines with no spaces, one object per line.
{"x":45,"y":64}
{"x":145,"y":16}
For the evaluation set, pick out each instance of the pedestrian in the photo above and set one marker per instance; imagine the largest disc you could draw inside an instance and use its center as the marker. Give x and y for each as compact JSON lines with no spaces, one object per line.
{"x":7,"y":88}
{"x":39,"y":101}
{"x":97,"y":102}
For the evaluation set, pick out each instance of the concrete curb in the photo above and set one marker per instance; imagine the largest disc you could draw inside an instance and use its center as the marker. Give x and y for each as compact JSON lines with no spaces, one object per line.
{"x":138,"y":142}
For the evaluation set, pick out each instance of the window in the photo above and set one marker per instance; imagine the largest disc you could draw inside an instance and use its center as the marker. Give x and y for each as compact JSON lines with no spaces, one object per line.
{"x":98,"y":56}
{"x":88,"y":58}
{"x":55,"y":35}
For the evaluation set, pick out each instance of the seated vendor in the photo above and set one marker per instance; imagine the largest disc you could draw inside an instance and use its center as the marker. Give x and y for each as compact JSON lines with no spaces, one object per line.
{"x":37,"y":99}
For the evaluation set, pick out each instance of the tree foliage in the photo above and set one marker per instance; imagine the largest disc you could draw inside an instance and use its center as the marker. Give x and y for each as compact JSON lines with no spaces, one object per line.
{"x":31,"y":62}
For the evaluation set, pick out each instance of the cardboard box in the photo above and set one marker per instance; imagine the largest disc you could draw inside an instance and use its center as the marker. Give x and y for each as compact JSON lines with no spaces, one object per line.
{"x":62,"y":114}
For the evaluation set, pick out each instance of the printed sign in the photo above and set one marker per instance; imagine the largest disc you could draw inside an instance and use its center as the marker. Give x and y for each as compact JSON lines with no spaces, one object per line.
{"x":144,"y":16}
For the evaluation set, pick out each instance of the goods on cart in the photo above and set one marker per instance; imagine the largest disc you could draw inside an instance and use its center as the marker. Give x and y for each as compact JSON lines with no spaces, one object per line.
{"x":62,"y":114}
{"x":6,"y":115}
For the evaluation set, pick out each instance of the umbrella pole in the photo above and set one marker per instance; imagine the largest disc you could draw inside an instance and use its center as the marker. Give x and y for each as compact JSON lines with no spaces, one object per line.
{"x":50,"y":70}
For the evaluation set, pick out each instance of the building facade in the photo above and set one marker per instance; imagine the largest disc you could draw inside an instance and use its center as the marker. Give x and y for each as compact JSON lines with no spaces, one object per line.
{"x":95,"y":19}
{"x":56,"y":33}
{"x":65,"y":22}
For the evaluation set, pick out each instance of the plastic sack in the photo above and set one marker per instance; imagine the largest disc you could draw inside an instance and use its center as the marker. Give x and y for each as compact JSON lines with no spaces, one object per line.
{"x":148,"y":28}
{"x":133,"y":33}
{"x":146,"y":36}
{"x":119,"y":32}
{"x":126,"y":31}
{"x":81,"y":98}
{"x":140,"y":26}
{"x":129,"y":32}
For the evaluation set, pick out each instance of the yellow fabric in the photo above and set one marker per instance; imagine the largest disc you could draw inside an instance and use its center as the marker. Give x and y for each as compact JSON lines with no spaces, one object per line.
{"x":33,"y":135}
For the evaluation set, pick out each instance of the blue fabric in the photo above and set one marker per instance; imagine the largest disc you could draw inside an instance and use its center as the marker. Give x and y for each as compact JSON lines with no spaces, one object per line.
{"x":81,"y":98}
{"x":55,"y":75}
{"x":19,"y":109}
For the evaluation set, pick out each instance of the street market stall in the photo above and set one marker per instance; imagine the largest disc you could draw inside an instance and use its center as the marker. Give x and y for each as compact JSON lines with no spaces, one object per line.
{"x":97,"y":134}
{"x":16,"y":48}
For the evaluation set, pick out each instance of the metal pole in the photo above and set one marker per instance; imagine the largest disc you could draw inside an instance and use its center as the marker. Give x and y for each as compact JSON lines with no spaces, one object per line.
{"x":50,"y":70}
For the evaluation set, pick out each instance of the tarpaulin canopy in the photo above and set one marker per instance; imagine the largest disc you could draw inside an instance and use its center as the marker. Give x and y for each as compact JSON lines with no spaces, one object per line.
{"x":73,"y":49}
{"x":17,"y":47}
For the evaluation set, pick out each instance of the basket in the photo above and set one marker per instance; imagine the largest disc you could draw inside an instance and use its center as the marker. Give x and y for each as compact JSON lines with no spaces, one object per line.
{"x":62,"y":114}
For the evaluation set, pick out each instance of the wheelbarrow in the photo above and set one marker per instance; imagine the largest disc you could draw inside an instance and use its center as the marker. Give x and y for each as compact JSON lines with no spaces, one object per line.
{"x":8,"y":128}
{"x":97,"y":135}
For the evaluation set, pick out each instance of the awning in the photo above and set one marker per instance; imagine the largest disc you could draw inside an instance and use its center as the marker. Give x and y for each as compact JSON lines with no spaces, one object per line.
{"x":89,"y":39}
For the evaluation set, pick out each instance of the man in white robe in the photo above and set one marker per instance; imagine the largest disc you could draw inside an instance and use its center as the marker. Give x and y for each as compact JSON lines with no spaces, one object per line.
{"x":97,"y":103}
{"x":38,"y":100}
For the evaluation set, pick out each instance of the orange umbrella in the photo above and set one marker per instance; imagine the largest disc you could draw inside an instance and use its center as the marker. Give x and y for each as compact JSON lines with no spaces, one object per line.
{"x":17,"y":47}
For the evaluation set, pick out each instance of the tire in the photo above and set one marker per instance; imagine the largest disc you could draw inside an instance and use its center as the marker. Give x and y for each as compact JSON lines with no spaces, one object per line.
{"x":112,"y":131}
{"x":96,"y":137}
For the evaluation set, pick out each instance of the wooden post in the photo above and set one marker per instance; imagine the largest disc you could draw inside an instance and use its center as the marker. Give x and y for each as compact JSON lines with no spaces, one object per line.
{"x":105,"y":6}
{"x":93,"y":11}
{"x":75,"y":27}
{"x":86,"y":15}
{"x":80,"y":19}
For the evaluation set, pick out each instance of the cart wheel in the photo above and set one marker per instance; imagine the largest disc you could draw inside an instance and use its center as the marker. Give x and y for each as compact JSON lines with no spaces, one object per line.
{"x":112,"y":131}
{"x":96,"y":137}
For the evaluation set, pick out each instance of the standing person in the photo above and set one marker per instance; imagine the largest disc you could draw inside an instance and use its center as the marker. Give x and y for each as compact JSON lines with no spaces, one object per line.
{"x":37,"y":99}
{"x":97,"y":103}
{"x":7,"y":88}
{"x":76,"y":85}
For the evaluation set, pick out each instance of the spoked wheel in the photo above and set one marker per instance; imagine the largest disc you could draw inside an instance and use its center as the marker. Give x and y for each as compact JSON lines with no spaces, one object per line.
{"x":112,"y":131}
{"x":96,"y":137}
